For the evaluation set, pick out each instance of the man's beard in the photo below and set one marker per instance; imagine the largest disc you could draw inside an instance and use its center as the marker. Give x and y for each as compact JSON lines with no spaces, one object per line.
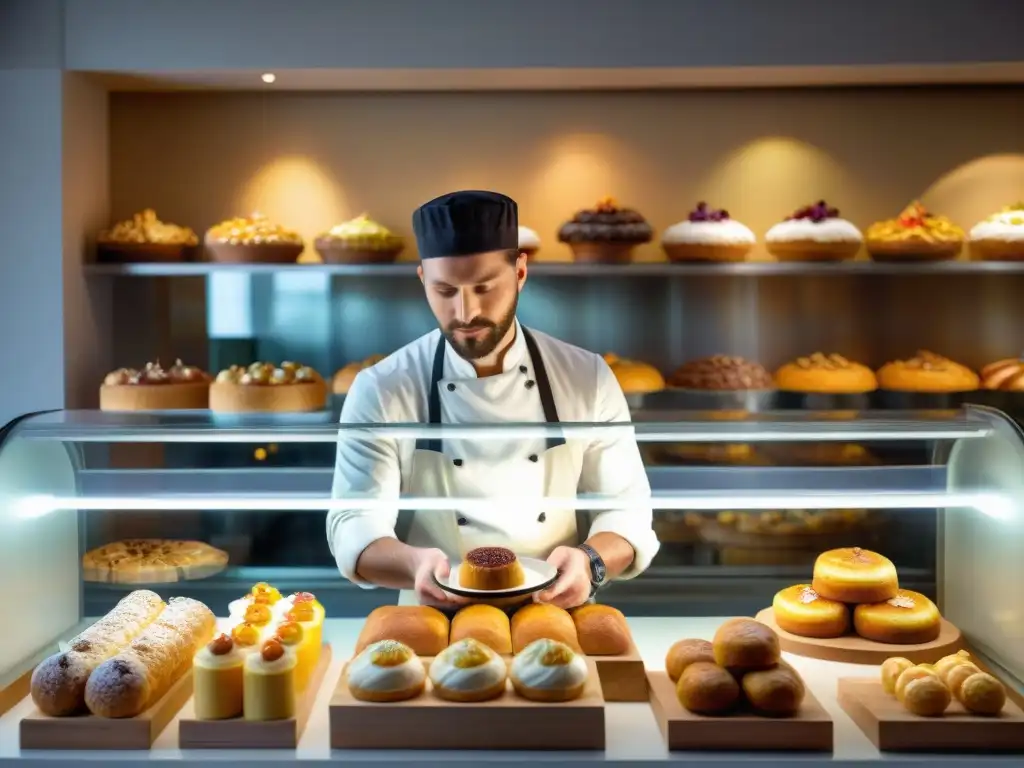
{"x":474,"y":348}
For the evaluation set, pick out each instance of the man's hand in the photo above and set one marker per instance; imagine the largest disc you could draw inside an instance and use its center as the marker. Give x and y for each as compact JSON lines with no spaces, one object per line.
{"x":431,"y":563}
{"x":572,"y":587}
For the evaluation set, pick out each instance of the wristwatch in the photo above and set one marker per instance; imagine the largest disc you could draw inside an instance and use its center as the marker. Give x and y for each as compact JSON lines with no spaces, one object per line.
{"x":598,"y":571}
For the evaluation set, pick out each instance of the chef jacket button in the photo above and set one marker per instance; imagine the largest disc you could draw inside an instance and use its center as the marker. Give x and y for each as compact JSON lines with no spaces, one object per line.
{"x":463,"y":521}
{"x":530,"y":383}
{"x":522,"y":369}
{"x":457,"y":462}
{"x":543,"y":517}
{"x":533,"y":457}
{"x":451,"y":387}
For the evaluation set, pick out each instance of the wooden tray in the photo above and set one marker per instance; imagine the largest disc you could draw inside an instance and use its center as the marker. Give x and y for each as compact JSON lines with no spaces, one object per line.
{"x":810,"y":730}
{"x":39,"y":731}
{"x":892,"y":729}
{"x":853,"y":649}
{"x":623,"y":678}
{"x":238,"y":733}
{"x":15,"y":692}
{"x":508,"y":722}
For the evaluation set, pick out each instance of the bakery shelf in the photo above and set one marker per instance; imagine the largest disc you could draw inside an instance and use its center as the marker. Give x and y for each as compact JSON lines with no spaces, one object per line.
{"x":572,"y":269}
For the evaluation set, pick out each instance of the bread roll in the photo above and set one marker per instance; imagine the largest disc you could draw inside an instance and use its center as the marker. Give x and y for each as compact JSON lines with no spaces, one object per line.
{"x":133,"y":680}
{"x":538,"y":621}
{"x":485,"y":624}
{"x":683,"y":653}
{"x":601,"y":630}
{"x":422,"y":628}
{"x":707,"y":689}
{"x":745,"y":645}
{"x":777,"y":692}
{"x":58,"y":683}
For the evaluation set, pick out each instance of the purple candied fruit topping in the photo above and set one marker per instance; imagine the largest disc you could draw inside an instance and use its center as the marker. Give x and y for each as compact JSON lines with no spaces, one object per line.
{"x":702,"y":213}
{"x":817,"y":213}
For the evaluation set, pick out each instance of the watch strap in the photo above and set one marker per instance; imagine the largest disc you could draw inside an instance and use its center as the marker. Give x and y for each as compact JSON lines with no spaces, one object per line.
{"x":598,"y":570}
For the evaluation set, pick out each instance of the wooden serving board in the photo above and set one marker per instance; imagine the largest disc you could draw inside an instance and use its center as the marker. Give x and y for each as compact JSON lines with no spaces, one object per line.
{"x":508,"y":722}
{"x":810,"y":730}
{"x":39,"y":731}
{"x":623,"y":678}
{"x":14,"y":693}
{"x":852,"y":649}
{"x":238,"y":733}
{"x":892,"y":728}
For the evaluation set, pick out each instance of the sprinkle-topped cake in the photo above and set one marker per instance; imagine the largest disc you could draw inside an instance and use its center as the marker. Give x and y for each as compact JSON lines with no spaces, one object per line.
{"x":491,"y":568}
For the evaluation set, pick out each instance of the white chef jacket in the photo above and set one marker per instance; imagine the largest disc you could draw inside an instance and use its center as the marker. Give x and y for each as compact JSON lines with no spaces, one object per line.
{"x":395,"y":390}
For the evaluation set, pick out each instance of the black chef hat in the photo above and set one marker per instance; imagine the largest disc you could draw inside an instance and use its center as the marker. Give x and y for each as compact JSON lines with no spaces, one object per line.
{"x":465,"y":223}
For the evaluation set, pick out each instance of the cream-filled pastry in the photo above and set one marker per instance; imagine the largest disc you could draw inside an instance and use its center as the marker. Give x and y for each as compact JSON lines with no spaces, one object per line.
{"x":217,"y":680}
{"x":468,"y":670}
{"x":246,"y":637}
{"x":292,"y":636}
{"x":269,"y":683}
{"x":547,"y":670}
{"x":386,"y":671}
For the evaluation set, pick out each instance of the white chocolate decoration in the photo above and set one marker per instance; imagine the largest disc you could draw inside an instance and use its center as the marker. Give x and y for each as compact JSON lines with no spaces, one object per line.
{"x":532,"y":667}
{"x":449,"y":668}
{"x":364,"y":673}
{"x":528,"y":238}
{"x":827,"y":231}
{"x":726,"y":232}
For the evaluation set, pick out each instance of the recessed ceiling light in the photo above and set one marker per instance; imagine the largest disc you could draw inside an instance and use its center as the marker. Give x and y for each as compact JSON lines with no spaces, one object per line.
{"x":268,"y":77}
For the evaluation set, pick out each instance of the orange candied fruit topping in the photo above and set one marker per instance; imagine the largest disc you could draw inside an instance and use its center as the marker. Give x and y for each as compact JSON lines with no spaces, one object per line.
{"x":303,"y":597}
{"x":289,"y":633}
{"x":556,"y":655}
{"x":258,"y":613}
{"x":607,"y":205}
{"x":272,"y":650}
{"x":221,"y":645}
{"x":301,"y":612}
{"x":245,"y":634}
{"x":262,"y":588}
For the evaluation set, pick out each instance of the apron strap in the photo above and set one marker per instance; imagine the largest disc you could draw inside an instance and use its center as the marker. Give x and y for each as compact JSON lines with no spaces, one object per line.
{"x":405,"y":516}
{"x":547,"y":400}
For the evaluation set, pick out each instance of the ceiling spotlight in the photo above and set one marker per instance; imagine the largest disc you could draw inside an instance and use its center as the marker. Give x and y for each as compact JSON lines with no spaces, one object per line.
{"x":268,"y":77}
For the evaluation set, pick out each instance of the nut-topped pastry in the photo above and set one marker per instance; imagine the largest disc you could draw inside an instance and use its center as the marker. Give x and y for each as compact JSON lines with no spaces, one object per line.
{"x":635,"y":377}
{"x":814,"y":233}
{"x":708,"y":234}
{"x":266,"y":387}
{"x":359,"y":241}
{"x":832,"y":374}
{"x":927,"y":372}
{"x":1000,"y":237}
{"x":145,"y":238}
{"x":155,"y":388}
{"x":529,"y":241}
{"x":253,"y":239}
{"x":722,"y":372}
{"x":343,"y":377}
{"x":915,"y":234}
{"x":1004,"y":375}
{"x":605,"y":233}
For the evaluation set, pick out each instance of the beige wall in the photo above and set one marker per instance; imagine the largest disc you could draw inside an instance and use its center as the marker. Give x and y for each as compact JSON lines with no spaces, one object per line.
{"x":310,"y":160}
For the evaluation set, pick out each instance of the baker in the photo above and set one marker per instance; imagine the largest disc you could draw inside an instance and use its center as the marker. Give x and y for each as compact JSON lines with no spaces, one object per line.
{"x":482,"y":366}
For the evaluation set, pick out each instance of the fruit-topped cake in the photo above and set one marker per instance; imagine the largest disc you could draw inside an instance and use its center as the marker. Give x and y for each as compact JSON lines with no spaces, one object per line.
{"x":491,"y":568}
{"x":145,"y":238}
{"x":359,"y":241}
{"x":265,"y":387}
{"x":927,"y":372}
{"x":529,"y":241}
{"x":292,"y":636}
{"x":269,"y":682}
{"x":217,"y":679}
{"x":1000,"y":237}
{"x":605,"y":233}
{"x":344,"y":377}
{"x":814,"y":233}
{"x":246,"y":637}
{"x":708,"y":234}
{"x":155,"y":388}
{"x":305,"y":609}
{"x":253,"y":239}
{"x":261,"y":593}
{"x":915,"y":234}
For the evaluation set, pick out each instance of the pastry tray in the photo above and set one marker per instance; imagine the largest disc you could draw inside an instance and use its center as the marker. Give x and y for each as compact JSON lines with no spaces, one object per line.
{"x":238,"y":733}
{"x":810,"y":730}
{"x":39,"y":731}
{"x":623,"y":678}
{"x":508,"y":722}
{"x":892,"y":728}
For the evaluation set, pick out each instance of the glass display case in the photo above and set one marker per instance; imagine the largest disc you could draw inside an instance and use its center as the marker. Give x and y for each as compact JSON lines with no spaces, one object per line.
{"x":741,"y":509}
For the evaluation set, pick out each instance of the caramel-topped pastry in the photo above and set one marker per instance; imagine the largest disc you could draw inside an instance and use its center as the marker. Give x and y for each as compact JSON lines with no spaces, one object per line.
{"x":1004,"y":375}
{"x":854,"y":575}
{"x":802,"y":611}
{"x":915,"y":233}
{"x":386,"y":670}
{"x":927,"y":372}
{"x":468,"y":670}
{"x":828,"y":373}
{"x":251,"y":230}
{"x":905,"y":618}
{"x":722,"y":372}
{"x":264,"y":386}
{"x":155,"y":388}
{"x":269,"y":687}
{"x":491,"y":568}
{"x":218,"y":679}
{"x":547,"y":670}
{"x":635,"y":377}
{"x":145,"y":228}
{"x":605,"y":233}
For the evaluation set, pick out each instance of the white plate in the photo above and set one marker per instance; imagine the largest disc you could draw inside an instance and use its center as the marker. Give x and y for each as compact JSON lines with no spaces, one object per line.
{"x":537,"y":574}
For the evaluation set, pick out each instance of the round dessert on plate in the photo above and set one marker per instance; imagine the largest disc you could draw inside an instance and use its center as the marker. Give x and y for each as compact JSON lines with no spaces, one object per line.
{"x":926,"y":380}
{"x":359,"y":241}
{"x":497,"y":572}
{"x":802,"y":611}
{"x":144,"y":238}
{"x":708,"y":234}
{"x":268,"y":388}
{"x":908,"y":618}
{"x":155,"y":388}
{"x":606,"y":233}
{"x":547,"y":670}
{"x":914,"y":235}
{"x":467,"y":670}
{"x":635,"y":377}
{"x":253,"y":240}
{"x":343,"y":377}
{"x":529,"y":241}
{"x":814,"y":233}
{"x":386,"y":671}
{"x":1000,"y":237}
{"x":854,"y":575}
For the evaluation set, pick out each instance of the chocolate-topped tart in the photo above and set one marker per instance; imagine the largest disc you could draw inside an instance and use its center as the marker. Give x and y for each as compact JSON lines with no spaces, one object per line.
{"x":605,"y":233}
{"x":155,"y":388}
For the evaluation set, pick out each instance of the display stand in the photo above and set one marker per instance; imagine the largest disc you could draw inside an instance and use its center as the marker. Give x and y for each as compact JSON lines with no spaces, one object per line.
{"x":623,"y":678}
{"x":15,"y":692}
{"x":238,"y":733}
